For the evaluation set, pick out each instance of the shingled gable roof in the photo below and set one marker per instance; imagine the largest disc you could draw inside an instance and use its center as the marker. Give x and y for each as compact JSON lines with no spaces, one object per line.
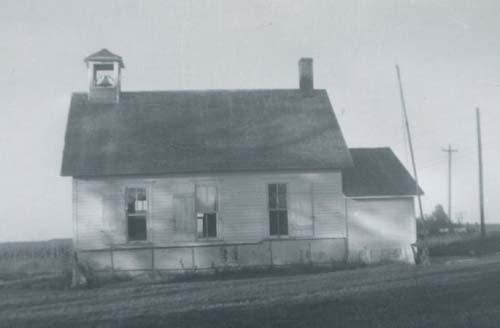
{"x":166,"y":132}
{"x":104,"y":55}
{"x":377,"y":172}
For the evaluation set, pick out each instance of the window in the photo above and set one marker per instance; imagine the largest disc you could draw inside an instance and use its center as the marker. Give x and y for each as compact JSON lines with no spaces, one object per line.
{"x":206,"y":211}
{"x":137,"y":209}
{"x":278,"y":214}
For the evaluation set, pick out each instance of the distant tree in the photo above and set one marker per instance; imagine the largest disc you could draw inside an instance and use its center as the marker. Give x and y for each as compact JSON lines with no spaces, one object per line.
{"x":440,"y":216}
{"x":431,"y":224}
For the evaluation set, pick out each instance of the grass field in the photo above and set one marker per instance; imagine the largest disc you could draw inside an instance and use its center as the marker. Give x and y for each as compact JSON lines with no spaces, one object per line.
{"x":35,"y":257}
{"x":458,"y":294}
{"x":465,"y":244}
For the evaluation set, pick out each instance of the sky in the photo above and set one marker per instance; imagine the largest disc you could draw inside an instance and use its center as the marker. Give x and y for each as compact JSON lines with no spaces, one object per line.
{"x":448,"y":52}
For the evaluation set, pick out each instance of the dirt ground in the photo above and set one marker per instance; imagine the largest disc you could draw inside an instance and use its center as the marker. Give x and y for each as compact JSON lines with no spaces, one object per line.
{"x":449,"y":293}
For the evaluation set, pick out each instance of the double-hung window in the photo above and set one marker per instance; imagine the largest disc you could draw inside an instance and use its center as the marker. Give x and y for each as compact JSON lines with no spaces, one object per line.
{"x":278,"y":214}
{"x":137,"y":210}
{"x":206,"y":211}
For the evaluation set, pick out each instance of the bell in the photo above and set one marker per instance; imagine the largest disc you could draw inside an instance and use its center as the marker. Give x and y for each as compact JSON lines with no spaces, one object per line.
{"x":106,"y":82}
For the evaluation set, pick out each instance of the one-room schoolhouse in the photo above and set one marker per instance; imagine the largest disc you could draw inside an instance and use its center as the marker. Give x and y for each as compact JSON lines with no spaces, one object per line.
{"x":200,"y":179}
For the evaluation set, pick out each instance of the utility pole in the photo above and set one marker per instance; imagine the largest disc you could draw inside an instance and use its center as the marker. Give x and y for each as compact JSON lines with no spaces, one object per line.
{"x":480,"y":158}
{"x":410,"y":144}
{"x":450,"y":151}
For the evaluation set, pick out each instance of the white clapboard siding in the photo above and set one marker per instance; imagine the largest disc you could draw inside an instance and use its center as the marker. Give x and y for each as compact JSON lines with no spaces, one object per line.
{"x":381,"y":223}
{"x":315,"y":204}
{"x":89,"y":212}
{"x":243,"y":209}
{"x":162,"y":211}
{"x":329,"y":207}
{"x":115,"y":227}
{"x":184,"y":218}
{"x":300,"y":209}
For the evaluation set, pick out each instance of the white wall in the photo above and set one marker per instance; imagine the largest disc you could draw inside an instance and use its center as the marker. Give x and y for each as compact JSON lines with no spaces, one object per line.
{"x":316,"y":208}
{"x":381,"y":229}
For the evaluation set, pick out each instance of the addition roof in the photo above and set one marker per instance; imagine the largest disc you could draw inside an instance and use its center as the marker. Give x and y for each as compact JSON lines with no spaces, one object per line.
{"x":377,"y":172}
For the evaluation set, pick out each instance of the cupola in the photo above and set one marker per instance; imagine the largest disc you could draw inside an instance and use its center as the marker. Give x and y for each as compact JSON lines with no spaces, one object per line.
{"x":104,"y":72}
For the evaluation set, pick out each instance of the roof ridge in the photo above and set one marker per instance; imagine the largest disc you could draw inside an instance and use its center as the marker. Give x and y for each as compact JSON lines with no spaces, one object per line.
{"x":207,"y":90}
{"x":370,"y":148}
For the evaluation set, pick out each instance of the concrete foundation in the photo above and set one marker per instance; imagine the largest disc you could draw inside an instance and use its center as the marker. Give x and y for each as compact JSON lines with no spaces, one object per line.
{"x":265,"y":253}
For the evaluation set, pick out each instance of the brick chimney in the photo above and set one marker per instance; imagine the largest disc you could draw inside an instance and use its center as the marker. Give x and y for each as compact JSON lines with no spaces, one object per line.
{"x":306,"y":74}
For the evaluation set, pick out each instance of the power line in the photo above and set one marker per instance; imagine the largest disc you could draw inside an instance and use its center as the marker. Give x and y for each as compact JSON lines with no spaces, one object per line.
{"x":486,"y":146}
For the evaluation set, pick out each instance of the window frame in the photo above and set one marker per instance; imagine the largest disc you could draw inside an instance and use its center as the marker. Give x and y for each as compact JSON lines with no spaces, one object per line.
{"x":217,"y":215}
{"x":287,"y":199}
{"x":147,"y":213}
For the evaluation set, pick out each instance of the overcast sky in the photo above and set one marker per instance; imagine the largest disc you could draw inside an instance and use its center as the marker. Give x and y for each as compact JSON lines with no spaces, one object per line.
{"x":448,"y":52}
